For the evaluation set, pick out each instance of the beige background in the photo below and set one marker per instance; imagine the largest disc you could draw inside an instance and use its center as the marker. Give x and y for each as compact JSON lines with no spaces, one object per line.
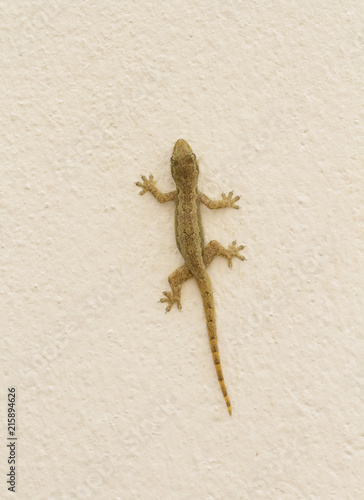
{"x":117,"y":400}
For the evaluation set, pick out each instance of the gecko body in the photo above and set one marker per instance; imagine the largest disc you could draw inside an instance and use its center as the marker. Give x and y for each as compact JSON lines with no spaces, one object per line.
{"x":190,"y":240}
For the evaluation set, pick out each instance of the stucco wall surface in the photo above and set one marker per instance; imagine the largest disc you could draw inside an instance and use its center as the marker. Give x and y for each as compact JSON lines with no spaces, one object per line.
{"x":116,"y":399}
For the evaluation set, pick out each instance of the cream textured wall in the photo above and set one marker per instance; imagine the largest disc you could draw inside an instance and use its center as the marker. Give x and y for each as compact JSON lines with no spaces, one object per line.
{"x":117,"y":400}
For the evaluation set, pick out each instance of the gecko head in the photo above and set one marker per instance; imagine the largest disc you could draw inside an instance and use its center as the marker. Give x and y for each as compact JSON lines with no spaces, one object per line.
{"x":184,"y":165}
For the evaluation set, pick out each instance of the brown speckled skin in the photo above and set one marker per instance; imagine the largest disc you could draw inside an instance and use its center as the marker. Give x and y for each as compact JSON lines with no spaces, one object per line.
{"x":190,"y":240}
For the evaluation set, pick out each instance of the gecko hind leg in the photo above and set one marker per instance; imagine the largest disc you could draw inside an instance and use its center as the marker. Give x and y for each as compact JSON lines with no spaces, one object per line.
{"x":183,"y":274}
{"x":176,"y":280}
{"x":215,"y":248}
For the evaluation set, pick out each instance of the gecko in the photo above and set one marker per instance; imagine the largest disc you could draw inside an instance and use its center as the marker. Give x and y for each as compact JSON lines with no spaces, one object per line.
{"x":190,"y":240}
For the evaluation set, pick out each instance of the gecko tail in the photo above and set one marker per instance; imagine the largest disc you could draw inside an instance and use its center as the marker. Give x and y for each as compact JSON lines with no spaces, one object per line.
{"x":225,"y":394}
{"x":220,"y":376}
{"x":209,"y":308}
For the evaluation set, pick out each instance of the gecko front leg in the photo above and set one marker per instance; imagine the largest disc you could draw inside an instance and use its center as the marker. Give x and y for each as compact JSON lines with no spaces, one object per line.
{"x":149,"y":185}
{"x":226,"y":201}
{"x":182,"y":274}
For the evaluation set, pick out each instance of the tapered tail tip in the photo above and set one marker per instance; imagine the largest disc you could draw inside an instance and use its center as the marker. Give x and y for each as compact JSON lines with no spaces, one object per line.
{"x":227,"y":401}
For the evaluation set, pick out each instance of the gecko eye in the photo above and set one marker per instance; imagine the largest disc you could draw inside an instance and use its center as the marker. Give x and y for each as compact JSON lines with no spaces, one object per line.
{"x":172,"y":159}
{"x":193,"y":156}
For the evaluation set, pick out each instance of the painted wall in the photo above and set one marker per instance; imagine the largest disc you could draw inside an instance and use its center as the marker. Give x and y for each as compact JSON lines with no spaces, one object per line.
{"x":115,"y":399}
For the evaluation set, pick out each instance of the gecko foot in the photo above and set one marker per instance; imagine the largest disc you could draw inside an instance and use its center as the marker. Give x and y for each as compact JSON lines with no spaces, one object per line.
{"x":233,"y":251}
{"x":229,"y":201}
{"x":170,"y":298}
{"x":147,"y":184}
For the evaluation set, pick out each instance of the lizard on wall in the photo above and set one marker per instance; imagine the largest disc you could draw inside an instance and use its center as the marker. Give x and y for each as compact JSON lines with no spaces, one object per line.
{"x":190,"y":240}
